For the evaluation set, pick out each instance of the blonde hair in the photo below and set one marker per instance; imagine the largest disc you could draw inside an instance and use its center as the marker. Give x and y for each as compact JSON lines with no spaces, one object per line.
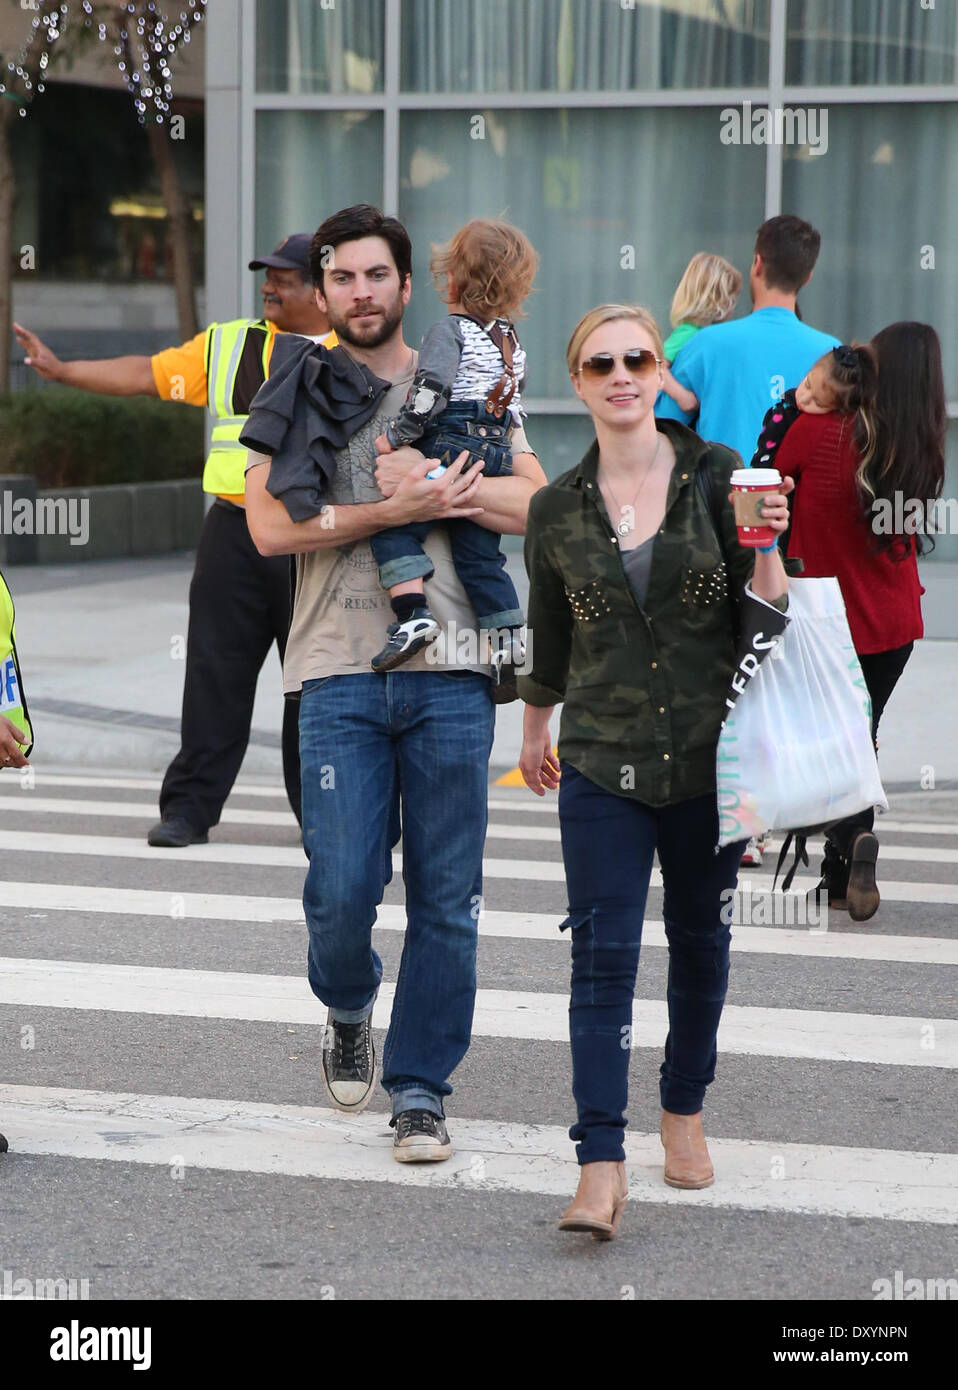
{"x":706,"y":292}
{"x":492,"y":265}
{"x":610,"y":313}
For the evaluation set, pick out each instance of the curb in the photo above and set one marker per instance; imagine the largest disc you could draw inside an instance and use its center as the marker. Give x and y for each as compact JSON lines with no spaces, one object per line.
{"x":123,"y":521}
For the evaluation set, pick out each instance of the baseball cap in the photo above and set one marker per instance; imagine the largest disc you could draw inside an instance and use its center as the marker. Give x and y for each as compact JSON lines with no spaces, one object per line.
{"x":291,"y":254}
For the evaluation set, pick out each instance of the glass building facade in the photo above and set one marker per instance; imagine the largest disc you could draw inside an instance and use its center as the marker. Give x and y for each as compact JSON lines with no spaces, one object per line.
{"x":601,"y":127}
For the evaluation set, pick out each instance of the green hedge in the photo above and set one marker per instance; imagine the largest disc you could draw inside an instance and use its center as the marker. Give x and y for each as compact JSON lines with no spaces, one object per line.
{"x":69,"y":438}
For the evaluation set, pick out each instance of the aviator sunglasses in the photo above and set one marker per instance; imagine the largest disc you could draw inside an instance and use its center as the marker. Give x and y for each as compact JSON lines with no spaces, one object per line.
{"x":638,"y":361}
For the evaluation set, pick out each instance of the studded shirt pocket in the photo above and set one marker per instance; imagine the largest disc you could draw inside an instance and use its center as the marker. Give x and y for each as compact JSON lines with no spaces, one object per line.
{"x":589,"y":603}
{"x":704,"y":588}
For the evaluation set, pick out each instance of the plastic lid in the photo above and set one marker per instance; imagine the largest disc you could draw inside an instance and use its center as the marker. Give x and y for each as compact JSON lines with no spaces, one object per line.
{"x":755,"y":477}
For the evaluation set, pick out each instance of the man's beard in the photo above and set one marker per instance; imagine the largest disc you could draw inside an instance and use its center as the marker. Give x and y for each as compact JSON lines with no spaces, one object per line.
{"x":372,"y":334}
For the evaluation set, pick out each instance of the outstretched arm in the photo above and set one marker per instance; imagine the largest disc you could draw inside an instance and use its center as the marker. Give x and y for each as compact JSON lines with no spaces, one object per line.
{"x":113,"y":376}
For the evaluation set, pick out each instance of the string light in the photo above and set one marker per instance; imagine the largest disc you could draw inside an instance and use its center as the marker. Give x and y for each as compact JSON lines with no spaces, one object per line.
{"x":151,"y":37}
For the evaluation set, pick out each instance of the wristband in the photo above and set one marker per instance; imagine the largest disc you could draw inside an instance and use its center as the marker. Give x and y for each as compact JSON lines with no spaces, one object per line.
{"x":767,"y":549}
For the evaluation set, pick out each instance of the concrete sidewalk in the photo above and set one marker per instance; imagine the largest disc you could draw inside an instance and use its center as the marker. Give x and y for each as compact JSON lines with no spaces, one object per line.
{"x":101,"y":649}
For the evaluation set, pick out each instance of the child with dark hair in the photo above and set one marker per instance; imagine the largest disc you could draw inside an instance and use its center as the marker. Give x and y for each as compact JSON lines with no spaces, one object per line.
{"x":465,"y":396}
{"x":843,"y":381}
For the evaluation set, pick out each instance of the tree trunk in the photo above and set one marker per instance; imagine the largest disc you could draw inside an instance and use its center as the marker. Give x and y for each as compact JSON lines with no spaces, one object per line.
{"x":178,"y":221}
{"x":8,"y":193}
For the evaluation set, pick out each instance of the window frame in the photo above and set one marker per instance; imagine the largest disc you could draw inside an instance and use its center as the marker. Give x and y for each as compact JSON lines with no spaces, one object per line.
{"x":392,"y":101}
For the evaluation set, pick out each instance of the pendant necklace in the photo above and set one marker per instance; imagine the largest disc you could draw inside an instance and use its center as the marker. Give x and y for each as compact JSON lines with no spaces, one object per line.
{"x":625,"y":526}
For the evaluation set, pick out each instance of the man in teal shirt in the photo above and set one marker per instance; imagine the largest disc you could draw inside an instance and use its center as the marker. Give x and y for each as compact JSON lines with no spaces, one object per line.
{"x":739,"y":368}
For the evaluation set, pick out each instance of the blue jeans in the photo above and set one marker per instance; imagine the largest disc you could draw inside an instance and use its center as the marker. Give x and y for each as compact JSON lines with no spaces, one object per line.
{"x":369,"y":743}
{"x":476,"y":555}
{"x":607,"y":844}
{"x":469,"y":425}
{"x":476,"y":551}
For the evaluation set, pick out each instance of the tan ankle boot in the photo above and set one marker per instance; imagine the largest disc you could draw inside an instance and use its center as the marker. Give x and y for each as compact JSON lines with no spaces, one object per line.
{"x":599,"y":1200}
{"x":687,"y":1162}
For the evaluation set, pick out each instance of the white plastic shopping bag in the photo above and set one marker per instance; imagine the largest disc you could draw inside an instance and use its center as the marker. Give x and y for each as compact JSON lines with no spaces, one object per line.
{"x":795,"y":751}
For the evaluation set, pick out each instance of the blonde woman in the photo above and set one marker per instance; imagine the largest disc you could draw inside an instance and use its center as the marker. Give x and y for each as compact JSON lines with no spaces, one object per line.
{"x":632,"y":609}
{"x":706,"y":294}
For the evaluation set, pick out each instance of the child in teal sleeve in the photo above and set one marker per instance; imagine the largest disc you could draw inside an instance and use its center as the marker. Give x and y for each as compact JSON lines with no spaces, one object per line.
{"x":677,"y":339}
{"x":705,"y":294}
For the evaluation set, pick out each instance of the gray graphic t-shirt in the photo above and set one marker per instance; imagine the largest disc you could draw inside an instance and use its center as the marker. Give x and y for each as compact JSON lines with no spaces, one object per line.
{"x":340,"y":611}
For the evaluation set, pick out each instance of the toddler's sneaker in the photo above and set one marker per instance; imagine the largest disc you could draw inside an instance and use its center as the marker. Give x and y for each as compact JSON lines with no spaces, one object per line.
{"x":405,"y":640}
{"x":507,"y":659}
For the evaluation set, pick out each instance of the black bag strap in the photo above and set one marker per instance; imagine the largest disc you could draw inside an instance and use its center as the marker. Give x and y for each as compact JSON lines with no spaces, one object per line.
{"x":801,"y":857}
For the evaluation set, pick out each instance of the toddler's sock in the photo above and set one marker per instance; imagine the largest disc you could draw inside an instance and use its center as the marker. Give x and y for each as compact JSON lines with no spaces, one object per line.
{"x":405,"y":605}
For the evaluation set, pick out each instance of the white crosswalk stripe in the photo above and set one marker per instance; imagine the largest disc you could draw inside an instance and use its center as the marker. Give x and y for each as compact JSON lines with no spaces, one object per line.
{"x":305,"y":1142}
{"x":282,"y":856}
{"x":850,"y":1021}
{"x":522,"y":926}
{"x":27,"y":803}
{"x":524,"y":804}
{"x":499,"y":1013}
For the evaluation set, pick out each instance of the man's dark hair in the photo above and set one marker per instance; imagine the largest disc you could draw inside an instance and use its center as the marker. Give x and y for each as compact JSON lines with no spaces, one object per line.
{"x":789,"y":249}
{"x":349,"y":225}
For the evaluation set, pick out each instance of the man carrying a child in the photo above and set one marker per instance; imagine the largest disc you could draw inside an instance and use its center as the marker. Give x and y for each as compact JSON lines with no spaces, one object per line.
{"x":420,"y":734}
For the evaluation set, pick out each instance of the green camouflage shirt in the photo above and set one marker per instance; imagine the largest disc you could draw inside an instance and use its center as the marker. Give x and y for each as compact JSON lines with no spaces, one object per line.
{"x":643,"y":690}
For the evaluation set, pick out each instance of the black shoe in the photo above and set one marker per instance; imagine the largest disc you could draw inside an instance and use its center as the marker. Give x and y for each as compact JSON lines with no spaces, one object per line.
{"x":405,"y":640}
{"x":173,"y":832}
{"x":834,"y":880}
{"x":349,"y":1064}
{"x":863,"y":894}
{"x":506,"y":661}
{"x":421,"y":1137}
{"x":3,"y":1145}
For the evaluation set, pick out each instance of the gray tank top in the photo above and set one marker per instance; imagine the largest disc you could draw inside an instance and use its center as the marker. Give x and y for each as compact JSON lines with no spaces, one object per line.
{"x":638,"y":567}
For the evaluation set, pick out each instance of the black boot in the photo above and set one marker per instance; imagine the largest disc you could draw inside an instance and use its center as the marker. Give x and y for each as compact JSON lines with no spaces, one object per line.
{"x":863,"y":895}
{"x":834,"y":881}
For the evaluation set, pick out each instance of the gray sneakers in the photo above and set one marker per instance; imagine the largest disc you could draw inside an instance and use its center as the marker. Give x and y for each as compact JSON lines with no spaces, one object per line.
{"x":349,"y":1074}
{"x":349,"y":1064}
{"x":420,"y":1137}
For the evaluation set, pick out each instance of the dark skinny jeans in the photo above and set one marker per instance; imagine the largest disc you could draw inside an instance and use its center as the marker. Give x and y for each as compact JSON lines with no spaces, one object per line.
{"x":608,"y":842}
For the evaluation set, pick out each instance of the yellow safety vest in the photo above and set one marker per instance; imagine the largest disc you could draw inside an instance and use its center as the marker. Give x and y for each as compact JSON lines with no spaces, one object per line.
{"x":13,"y":703}
{"x":225,"y":470}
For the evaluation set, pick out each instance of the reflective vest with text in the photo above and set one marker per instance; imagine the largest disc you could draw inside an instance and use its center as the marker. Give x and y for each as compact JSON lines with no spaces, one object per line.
{"x":13,"y":704}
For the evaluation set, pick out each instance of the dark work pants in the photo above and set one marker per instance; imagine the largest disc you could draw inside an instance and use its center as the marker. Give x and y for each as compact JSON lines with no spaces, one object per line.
{"x":240,"y":603}
{"x":881,"y":671}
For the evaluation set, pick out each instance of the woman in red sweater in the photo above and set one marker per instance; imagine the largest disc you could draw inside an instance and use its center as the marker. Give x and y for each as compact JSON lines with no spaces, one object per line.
{"x":844,"y":512}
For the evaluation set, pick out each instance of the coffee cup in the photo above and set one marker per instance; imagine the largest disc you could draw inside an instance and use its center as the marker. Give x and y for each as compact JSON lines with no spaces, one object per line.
{"x":749,"y":487}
